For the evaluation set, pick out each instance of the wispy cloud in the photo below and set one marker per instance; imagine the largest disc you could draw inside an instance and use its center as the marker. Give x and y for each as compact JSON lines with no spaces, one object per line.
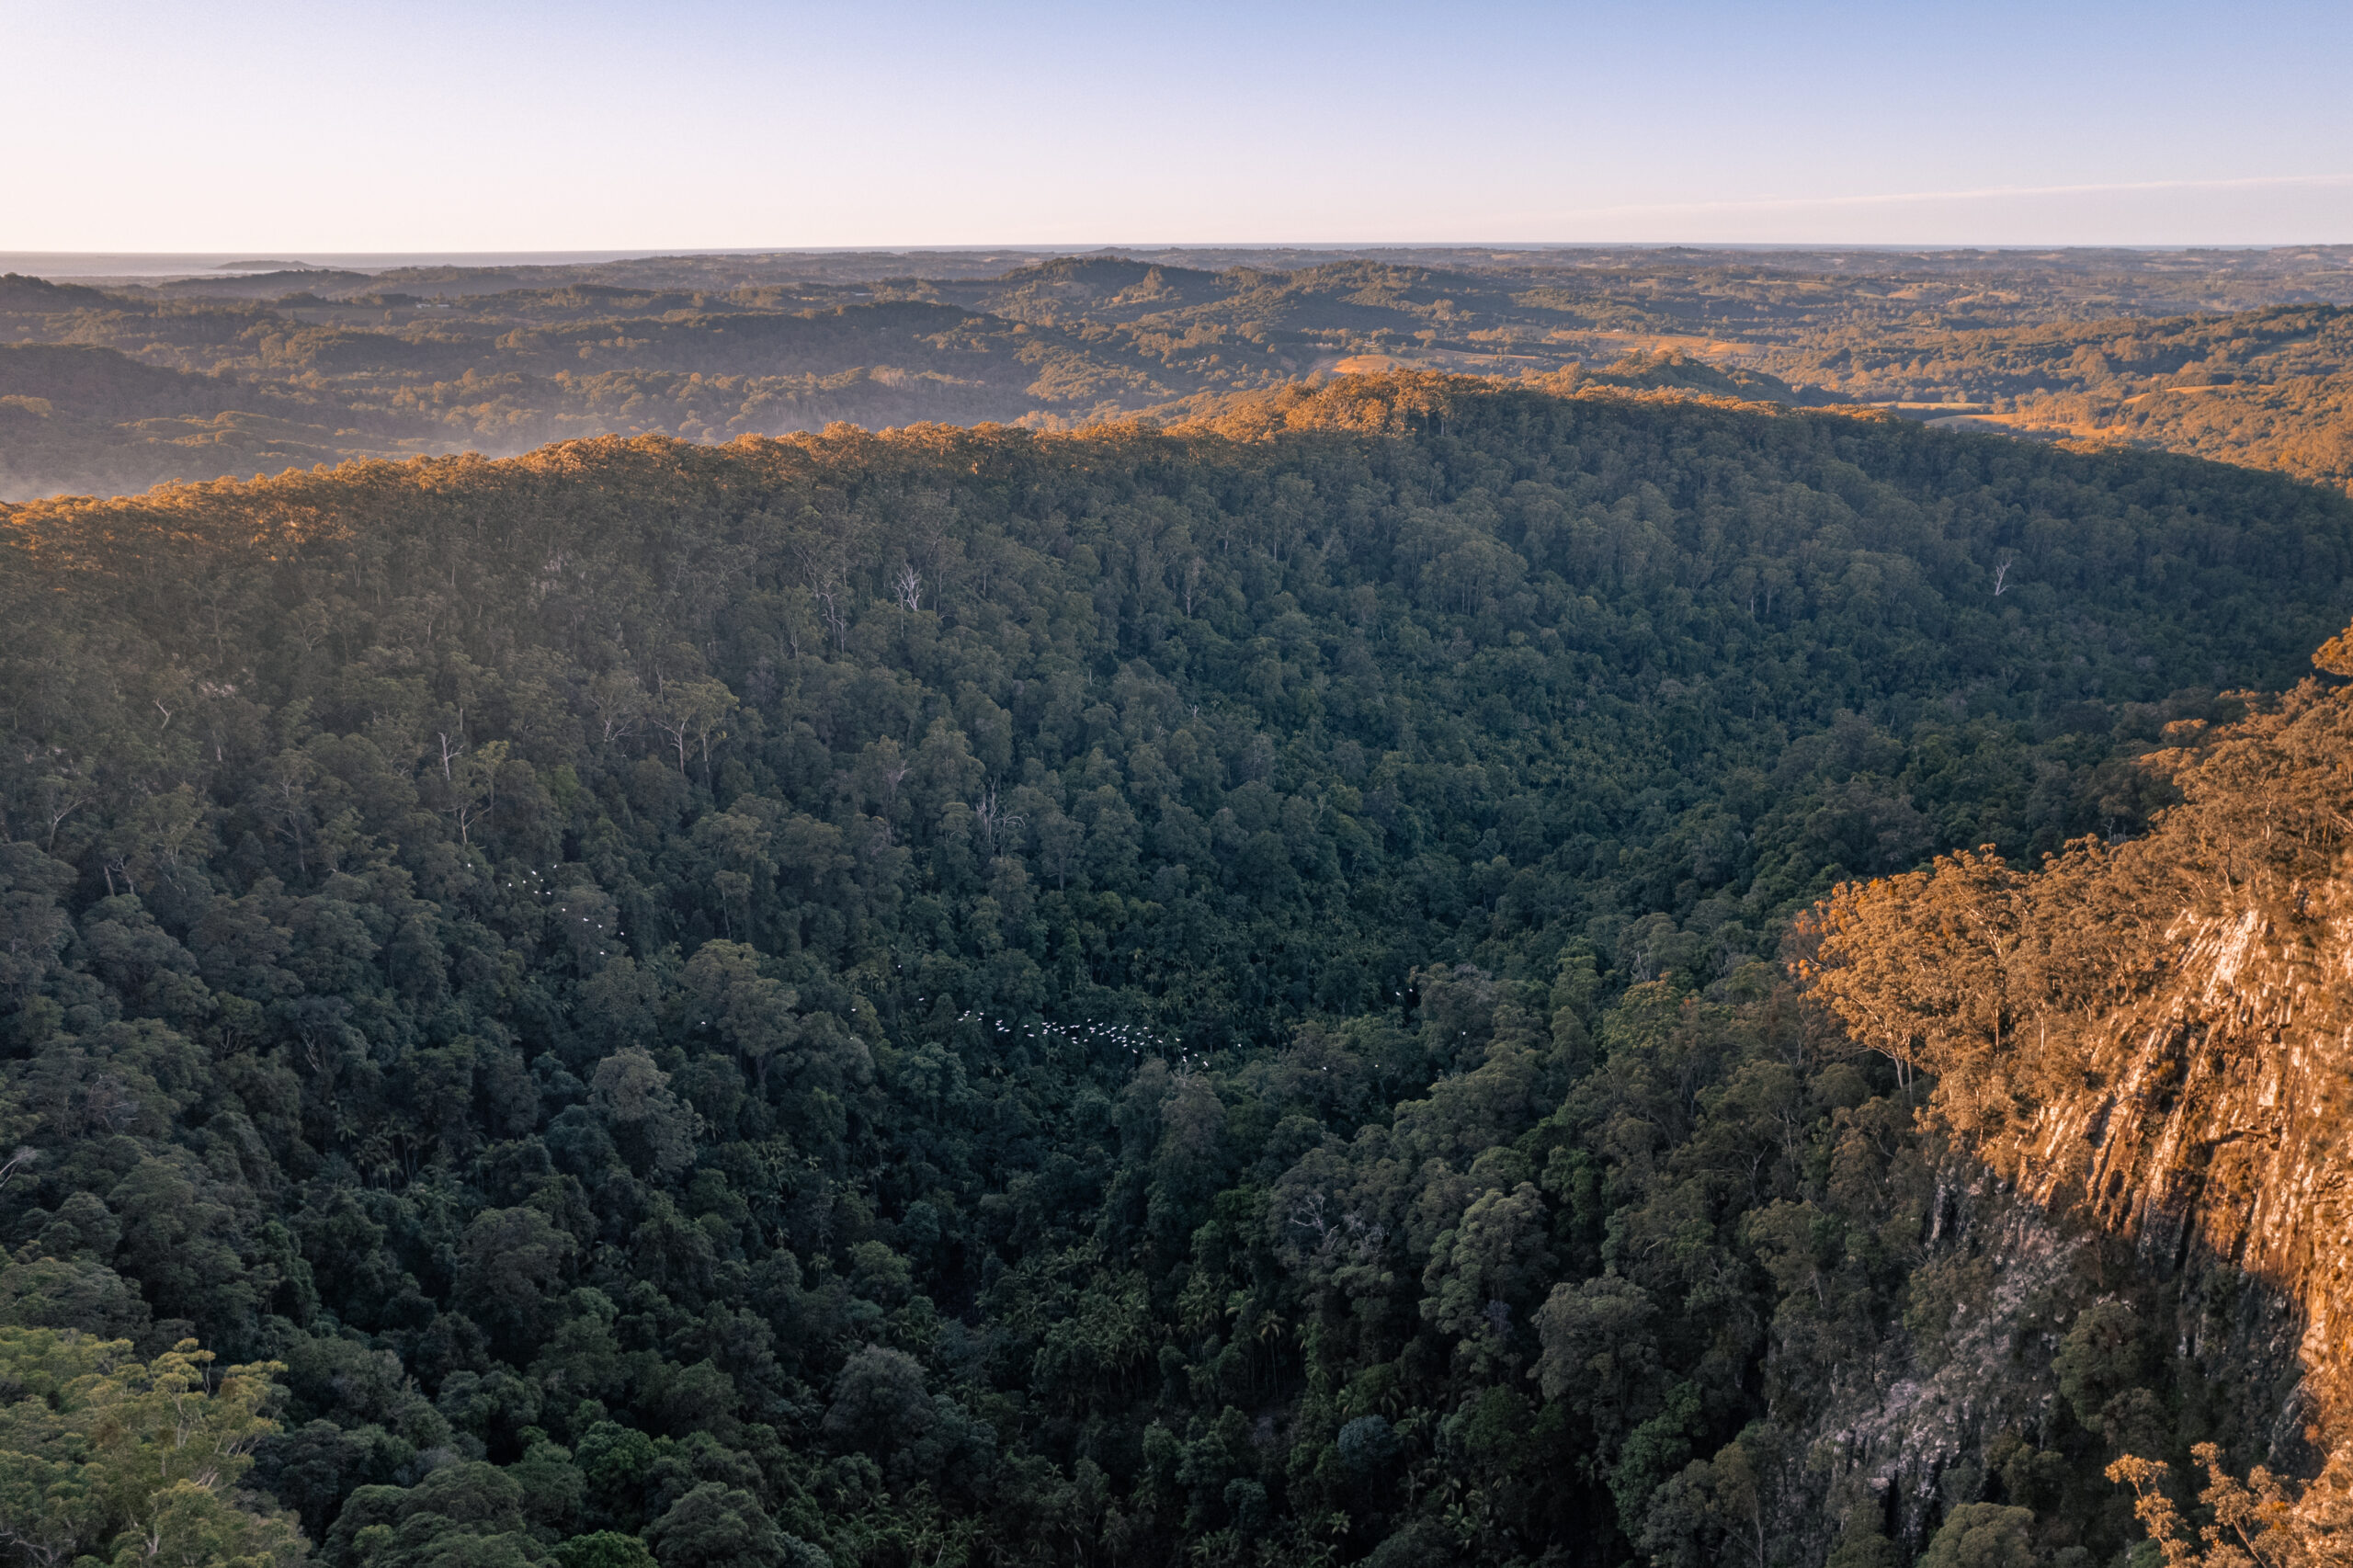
{"x":1926,"y":197}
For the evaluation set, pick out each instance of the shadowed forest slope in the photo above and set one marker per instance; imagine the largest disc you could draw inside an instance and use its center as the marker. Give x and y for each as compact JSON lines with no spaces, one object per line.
{"x":1130,"y":997}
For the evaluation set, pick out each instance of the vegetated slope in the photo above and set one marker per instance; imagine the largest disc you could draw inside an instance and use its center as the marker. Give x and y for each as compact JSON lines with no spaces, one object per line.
{"x":2159,"y":1035}
{"x":1129,"y":996}
{"x":2269,"y":389}
{"x":75,"y":418}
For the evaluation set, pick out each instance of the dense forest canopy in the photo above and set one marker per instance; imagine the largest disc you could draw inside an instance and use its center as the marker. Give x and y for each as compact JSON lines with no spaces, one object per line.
{"x":1130,"y":997}
{"x":108,"y":390}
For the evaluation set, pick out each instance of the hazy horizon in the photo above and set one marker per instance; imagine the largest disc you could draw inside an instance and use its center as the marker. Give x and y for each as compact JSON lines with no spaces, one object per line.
{"x":157,"y":265}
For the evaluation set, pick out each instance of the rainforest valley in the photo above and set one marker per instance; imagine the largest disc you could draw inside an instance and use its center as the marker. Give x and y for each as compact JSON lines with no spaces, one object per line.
{"x":1345,"y":982}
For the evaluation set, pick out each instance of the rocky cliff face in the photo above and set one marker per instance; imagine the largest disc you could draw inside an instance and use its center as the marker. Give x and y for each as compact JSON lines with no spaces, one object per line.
{"x":1966,"y":1392}
{"x":2210,"y":1129}
{"x":1911,"y":1432}
{"x":2151,"y":1046}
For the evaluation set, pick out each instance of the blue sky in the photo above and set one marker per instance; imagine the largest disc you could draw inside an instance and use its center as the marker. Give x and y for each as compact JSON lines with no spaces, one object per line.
{"x":324,"y":126}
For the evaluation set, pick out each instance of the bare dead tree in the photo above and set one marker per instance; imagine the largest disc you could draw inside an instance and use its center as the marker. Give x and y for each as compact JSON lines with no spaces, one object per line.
{"x":819,"y":558}
{"x":825,"y":593}
{"x":993,"y":819}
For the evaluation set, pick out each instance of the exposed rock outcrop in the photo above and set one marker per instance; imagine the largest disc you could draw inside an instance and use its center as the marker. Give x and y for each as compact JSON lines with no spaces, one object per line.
{"x":2153,"y":1041}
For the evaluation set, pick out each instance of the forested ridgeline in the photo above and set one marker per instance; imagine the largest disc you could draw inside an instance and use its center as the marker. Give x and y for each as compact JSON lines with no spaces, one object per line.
{"x":1133,"y":997}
